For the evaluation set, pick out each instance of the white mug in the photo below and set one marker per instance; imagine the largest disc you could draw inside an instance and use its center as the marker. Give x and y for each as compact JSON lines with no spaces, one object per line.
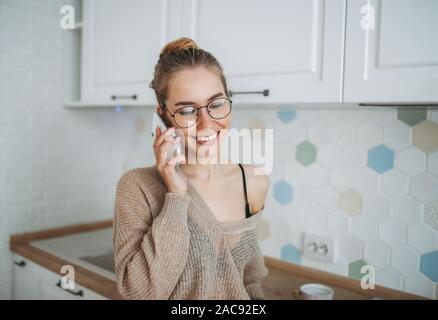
{"x":314,"y":291}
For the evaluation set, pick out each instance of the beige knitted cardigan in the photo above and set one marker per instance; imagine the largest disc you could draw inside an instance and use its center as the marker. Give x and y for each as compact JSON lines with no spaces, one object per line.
{"x":171,"y":246}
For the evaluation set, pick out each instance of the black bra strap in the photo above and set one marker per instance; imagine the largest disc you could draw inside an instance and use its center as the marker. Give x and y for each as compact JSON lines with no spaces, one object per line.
{"x":247,"y":209}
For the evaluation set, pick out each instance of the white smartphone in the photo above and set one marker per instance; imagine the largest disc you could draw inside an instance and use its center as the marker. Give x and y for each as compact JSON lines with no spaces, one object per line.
{"x":175,"y":149}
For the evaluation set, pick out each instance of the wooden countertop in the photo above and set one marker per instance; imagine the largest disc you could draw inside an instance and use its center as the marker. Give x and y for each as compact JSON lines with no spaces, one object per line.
{"x":282,"y":279}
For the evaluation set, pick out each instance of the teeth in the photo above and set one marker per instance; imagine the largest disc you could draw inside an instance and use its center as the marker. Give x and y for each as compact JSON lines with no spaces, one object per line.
{"x":207,"y":138}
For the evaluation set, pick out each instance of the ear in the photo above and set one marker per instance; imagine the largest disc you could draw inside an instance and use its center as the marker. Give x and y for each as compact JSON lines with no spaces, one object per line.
{"x":158,"y":109}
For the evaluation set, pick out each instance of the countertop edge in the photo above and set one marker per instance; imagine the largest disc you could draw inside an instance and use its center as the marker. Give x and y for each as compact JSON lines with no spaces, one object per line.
{"x":20,"y":244}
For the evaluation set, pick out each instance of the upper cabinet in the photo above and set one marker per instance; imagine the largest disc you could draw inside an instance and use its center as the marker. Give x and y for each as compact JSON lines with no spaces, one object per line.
{"x":283,"y":51}
{"x":391,"y":51}
{"x":293,"y":48}
{"x":121,"y":42}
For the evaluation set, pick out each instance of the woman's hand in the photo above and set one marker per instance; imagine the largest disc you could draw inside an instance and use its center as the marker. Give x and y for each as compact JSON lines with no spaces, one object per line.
{"x":175,"y":181}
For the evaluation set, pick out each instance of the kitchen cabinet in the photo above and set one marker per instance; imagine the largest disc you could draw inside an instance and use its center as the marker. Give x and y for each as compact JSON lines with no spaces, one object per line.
{"x":34,"y":282}
{"x":282,"y":52}
{"x":391,"y":52}
{"x":121,"y":42}
{"x":292,"y":48}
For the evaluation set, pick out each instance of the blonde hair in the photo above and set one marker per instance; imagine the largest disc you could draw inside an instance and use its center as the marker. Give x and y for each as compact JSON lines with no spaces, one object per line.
{"x":178,"y":55}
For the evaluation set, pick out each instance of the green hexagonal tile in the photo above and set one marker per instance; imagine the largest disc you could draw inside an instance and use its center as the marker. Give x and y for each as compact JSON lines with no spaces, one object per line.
{"x":354,"y":269}
{"x":351,"y":202}
{"x":411,"y":117}
{"x":425,"y":136}
{"x":305,"y":153}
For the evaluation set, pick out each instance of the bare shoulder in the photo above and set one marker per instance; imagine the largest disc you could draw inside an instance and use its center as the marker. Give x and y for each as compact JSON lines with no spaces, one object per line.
{"x":257,"y":186}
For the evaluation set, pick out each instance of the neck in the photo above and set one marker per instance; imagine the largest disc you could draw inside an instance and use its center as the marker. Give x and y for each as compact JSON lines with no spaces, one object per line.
{"x":204,"y":172}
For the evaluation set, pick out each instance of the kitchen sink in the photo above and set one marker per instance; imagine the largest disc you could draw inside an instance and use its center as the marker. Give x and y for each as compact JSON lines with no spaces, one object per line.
{"x":104,"y":261}
{"x":91,"y":250}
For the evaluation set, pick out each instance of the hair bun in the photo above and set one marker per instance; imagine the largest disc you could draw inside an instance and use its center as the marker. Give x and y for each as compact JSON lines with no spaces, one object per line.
{"x":179,"y":44}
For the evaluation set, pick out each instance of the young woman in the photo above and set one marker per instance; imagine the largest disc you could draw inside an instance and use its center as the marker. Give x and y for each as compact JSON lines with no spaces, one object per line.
{"x":189,"y":233}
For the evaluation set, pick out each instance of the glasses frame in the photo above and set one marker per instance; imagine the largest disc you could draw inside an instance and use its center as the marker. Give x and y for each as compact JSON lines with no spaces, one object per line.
{"x":197,"y":111}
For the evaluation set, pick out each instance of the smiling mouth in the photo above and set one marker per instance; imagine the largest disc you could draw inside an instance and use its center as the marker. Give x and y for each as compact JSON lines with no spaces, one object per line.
{"x":207,"y":139}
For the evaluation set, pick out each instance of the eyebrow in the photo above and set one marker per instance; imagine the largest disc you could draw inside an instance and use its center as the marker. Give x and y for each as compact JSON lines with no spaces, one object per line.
{"x":185,"y":103}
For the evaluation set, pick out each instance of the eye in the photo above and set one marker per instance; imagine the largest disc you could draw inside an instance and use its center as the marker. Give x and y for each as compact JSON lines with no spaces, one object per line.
{"x":217,"y":104}
{"x":188,"y":111}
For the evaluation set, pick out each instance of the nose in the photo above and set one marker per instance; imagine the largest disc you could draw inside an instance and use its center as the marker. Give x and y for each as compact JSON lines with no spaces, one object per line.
{"x":204,"y":119}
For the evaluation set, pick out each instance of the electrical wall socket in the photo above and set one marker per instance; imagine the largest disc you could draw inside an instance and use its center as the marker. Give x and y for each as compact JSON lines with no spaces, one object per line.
{"x":320,"y":247}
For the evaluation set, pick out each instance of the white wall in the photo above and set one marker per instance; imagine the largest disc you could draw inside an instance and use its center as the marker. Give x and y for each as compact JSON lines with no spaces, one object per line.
{"x":58,"y":166}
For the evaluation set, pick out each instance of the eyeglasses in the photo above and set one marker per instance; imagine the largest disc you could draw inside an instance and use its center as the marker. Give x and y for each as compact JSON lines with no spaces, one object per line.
{"x":188,"y":116}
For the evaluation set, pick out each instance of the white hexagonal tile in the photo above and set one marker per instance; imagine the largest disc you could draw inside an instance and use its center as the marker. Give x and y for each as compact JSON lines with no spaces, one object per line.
{"x":422,"y":238}
{"x":408,"y":210}
{"x":369,"y":134}
{"x":420,"y":285}
{"x":397,"y":135}
{"x":357,"y":117}
{"x":270,"y":248}
{"x":309,"y":115}
{"x":392,"y":233}
{"x":432,"y":164}
{"x":329,"y":155}
{"x":394,"y":184}
{"x":331,"y":116}
{"x":377,"y":206}
{"x":405,"y":260}
{"x":354,"y":155}
{"x":365,"y":180}
{"x":313,"y":218}
{"x":411,"y":161}
{"x":328,"y":198}
{"x":383,"y":116}
{"x":338,"y":223}
{"x":280,"y":231}
{"x":342,"y":133}
{"x":424,"y":187}
{"x":389,"y":277}
{"x":341,"y":178}
{"x":377,"y":253}
{"x":284,"y":151}
{"x":364,"y":228}
{"x":350,"y":247}
{"x":318,"y":133}
{"x":297,"y":131}
{"x":316,"y":176}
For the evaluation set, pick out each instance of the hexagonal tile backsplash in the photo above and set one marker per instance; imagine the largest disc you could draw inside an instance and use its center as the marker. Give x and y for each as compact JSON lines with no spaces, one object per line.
{"x":368,"y":177}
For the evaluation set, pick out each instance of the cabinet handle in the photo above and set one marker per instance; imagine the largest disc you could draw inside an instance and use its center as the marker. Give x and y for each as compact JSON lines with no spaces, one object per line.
{"x":20,"y":263}
{"x":75,"y":293}
{"x":264,"y":92}
{"x":133,"y":97}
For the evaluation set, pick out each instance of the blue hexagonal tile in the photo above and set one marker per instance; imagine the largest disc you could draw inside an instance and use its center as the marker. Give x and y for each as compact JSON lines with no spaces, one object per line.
{"x":429,"y":265}
{"x":380,"y":158}
{"x":286,"y":116}
{"x":291,"y":253}
{"x":283,"y":192}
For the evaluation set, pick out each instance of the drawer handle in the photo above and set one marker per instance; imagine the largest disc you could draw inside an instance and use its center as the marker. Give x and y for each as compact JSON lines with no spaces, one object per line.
{"x":263,"y":92}
{"x":133,"y":97}
{"x":20,"y":263}
{"x":75,"y":293}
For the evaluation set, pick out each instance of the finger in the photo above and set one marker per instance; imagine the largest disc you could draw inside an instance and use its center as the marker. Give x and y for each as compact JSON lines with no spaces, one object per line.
{"x":165,"y":146}
{"x":165,"y":136}
{"x":179,"y":159}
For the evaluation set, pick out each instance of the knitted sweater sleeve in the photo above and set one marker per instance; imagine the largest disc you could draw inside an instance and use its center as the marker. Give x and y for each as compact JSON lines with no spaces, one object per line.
{"x":150,"y":254}
{"x":254,"y":273}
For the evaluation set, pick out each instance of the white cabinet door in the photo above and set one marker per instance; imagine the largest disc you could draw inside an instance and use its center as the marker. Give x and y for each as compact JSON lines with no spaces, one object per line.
{"x":24,"y":281}
{"x":397,"y":60}
{"x":121,"y":42}
{"x":293,"y":48}
{"x":34,"y":282}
